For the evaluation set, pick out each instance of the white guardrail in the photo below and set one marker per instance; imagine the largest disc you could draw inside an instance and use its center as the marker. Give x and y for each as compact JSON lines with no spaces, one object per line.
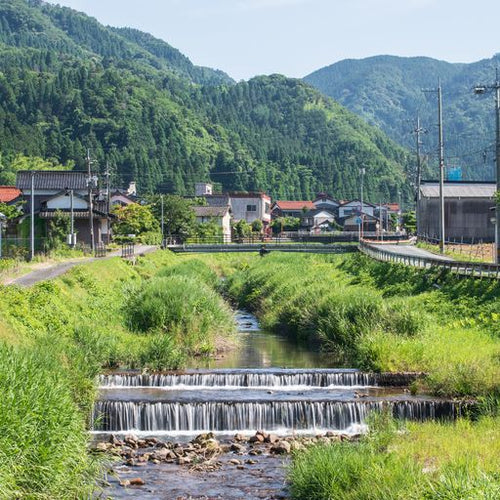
{"x":474,"y":269}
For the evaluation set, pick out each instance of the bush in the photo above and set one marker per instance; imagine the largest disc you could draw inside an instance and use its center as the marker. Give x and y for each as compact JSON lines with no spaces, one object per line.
{"x":182,"y":307}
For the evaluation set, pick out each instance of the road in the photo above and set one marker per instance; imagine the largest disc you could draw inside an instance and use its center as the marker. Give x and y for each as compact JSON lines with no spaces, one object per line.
{"x":48,"y":272}
{"x":412,"y":251}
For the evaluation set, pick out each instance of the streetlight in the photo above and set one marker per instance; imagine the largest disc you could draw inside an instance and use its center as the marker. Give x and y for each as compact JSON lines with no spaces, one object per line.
{"x":3,"y":218}
{"x":479,"y":90}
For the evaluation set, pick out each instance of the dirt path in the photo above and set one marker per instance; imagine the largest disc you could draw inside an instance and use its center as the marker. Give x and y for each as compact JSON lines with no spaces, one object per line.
{"x":47,"y":271}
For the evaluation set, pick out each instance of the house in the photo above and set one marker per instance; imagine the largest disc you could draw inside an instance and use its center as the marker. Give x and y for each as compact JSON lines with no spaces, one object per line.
{"x":352,"y":223}
{"x":318,"y":221}
{"x":251,"y":207}
{"x":59,"y":191}
{"x":354,"y":207}
{"x":9,"y":194}
{"x":283,"y":208}
{"x":220,"y":215}
{"x":468,"y":210}
{"x":326,"y":202}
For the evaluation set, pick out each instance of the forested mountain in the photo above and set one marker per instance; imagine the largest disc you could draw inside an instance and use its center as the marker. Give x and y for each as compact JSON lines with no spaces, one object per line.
{"x":388,"y":92}
{"x":67,"y":83}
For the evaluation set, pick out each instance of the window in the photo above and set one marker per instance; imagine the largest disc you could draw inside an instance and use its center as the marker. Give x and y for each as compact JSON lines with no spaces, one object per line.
{"x":251,"y":208}
{"x":268,"y":208}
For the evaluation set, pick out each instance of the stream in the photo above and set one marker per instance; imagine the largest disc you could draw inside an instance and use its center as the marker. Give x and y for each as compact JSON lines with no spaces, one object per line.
{"x":268,"y":383}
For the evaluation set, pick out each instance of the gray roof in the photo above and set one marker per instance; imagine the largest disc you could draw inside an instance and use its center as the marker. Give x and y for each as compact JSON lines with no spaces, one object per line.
{"x":459,"y":190}
{"x":217,"y":200}
{"x":210,"y":211}
{"x":52,"y":179}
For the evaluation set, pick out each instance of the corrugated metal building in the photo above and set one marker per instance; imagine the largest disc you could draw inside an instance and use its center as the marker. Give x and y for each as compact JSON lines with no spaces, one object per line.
{"x":467,"y":208}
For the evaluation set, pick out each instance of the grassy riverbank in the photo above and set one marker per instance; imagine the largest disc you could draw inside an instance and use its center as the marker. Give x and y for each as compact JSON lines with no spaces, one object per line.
{"x":387,"y":317}
{"x":430,"y":460}
{"x":56,"y":336}
{"x":381,"y":317}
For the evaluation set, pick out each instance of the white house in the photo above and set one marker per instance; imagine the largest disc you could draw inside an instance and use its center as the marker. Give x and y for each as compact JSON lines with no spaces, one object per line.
{"x":220,"y":215}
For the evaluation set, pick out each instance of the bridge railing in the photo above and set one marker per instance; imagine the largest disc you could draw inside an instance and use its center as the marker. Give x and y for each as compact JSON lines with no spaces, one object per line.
{"x":474,"y":269}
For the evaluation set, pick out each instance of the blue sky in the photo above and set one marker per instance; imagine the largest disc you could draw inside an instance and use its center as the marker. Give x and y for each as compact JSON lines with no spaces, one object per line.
{"x":245,"y":38}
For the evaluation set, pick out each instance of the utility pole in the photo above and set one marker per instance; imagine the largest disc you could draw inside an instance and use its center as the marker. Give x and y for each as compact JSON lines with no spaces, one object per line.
{"x":108,"y":203}
{"x":72,"y":217}
{"x":90,"y":182}
{"x":162,"y":222}
{"x":482,"y":89}
{"x":32,"y":218}
{"x":418,"y":131}
{"x":362,"y":172}
{"x":441,"y":166}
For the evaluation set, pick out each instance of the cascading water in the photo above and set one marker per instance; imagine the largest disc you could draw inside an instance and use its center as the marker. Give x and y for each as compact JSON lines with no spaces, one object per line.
{"x":244,"y":400}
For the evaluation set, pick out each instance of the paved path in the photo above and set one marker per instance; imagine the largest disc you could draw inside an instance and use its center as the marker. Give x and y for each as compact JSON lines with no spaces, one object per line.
{"x":52,"y":271}
{"x":412,"y":251}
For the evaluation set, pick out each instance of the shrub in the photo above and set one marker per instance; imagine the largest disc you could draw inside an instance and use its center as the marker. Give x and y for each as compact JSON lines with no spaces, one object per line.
{"x":182,"y":307}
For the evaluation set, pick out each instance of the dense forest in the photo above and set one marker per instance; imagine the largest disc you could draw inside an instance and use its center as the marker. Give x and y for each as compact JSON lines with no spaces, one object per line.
{"x":68,"y":84}
{"x":389,"y":92}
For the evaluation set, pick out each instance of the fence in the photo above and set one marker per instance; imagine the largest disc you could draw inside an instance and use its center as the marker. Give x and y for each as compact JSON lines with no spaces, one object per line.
{"x":128,"y":250}
{"x":470,"y":248}
{"x":474,"y":269}
{"x":100,"y":250}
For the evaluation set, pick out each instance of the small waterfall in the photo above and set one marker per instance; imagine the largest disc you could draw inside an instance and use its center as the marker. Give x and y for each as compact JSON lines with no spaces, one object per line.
{"x":244,"y":378}
{"x":115,"y":416}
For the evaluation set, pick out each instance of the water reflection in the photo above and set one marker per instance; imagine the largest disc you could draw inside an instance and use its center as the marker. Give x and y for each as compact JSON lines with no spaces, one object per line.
{"x":260,"y":349}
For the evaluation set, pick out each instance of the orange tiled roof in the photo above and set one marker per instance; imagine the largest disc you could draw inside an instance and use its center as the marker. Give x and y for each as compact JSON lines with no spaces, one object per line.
{"x":295,"y":205}
{"x":8,"y":193}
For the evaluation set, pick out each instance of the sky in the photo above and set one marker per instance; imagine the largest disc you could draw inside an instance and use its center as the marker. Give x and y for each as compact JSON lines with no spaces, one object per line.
{"x":245,"y":38}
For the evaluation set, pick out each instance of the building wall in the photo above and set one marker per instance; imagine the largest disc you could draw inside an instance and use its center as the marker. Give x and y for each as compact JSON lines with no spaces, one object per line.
{"x":467,"y":218}
{"x":240,"y":208}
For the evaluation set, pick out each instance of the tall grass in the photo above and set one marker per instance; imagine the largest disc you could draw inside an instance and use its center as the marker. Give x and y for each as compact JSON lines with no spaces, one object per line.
{"x":433,"y":460}
{"x":183,"y":308}
{"x":56,"y":336}
{"x":42,"y":430}
{"x":381,"y":317}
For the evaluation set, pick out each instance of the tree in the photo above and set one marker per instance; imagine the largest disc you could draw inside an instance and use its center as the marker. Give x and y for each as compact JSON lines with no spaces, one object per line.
{"x":410,"y":222}
{"x":178,"y":217}
{"x":135,"y":219}
{"x":285,"y":224}
{"x":242,"y":229}
{"x":257,"y":226}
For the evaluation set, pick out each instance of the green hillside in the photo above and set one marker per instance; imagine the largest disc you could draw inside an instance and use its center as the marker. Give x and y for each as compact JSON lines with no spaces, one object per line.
{"x":387,"y":92}
{"x":69,"y":83}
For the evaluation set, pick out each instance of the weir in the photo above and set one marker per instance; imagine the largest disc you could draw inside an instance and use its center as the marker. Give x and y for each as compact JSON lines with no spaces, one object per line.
{"x":120,"y":416}
{"x":300,"y":399}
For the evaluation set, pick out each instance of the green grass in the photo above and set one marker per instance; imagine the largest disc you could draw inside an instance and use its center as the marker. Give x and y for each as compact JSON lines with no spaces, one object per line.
{"x":381,"y":316}
{"x":431,"y":460}
{"x":56,"y":336}
{"x":42,"y":433}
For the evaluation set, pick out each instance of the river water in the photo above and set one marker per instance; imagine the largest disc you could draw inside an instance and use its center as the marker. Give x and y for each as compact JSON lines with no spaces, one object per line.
{"x":269,"y":383}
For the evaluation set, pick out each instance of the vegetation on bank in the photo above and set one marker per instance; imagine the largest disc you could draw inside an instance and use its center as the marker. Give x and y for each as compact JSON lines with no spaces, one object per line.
{"x":430,"y":460}
{"x":381,"y":317}
{"x":56,"y":336}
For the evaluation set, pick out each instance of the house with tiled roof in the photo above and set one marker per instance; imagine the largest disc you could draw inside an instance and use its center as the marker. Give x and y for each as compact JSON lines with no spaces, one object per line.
{"x":56,"y":191}
{"x":221,"y":215}
{"x":9,"y":193}
{"x":289,"y":208}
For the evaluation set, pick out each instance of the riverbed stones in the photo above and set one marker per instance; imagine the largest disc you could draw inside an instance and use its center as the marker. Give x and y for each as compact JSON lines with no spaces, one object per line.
{"x":238,"y":448}
{"x":281,"y":448}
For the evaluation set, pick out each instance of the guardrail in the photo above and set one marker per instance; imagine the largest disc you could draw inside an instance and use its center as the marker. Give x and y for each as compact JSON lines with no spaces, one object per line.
{"x":473,"y":269}
{"x":249,"y":247}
